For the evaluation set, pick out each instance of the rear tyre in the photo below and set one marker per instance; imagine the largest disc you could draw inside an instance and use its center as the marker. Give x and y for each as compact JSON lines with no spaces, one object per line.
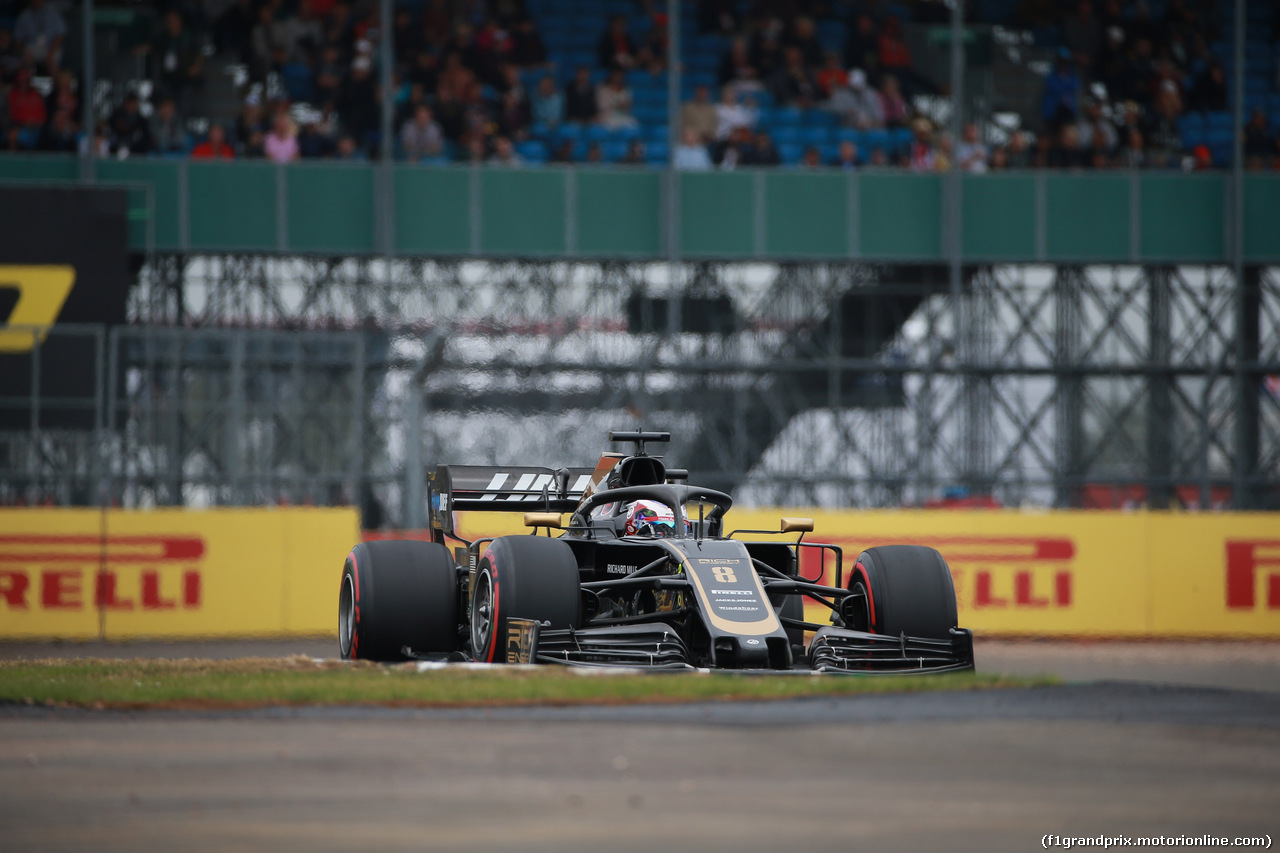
{"x":907,"y":589}
{"x":397,"y":594}
{"x":522,"y":577}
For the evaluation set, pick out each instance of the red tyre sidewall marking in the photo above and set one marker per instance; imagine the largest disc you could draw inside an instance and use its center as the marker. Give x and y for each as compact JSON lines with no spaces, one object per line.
{"x":493,"y":617}
{"x":355,"y":631}
{"x":860,"y":569}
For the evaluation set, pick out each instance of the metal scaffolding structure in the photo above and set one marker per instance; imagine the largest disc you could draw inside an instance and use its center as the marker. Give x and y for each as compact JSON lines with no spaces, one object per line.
{"x":266,"y":379}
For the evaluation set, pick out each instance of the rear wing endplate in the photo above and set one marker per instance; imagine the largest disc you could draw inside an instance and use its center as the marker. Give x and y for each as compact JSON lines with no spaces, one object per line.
{"x":485,"y":488}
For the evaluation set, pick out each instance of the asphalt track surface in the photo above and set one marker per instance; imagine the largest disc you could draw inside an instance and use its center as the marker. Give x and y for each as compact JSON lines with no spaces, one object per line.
{"x":1143,"y":739}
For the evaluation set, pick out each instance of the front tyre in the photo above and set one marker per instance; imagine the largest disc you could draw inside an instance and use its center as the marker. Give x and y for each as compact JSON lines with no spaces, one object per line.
{"x":905,"y":589}
{"x":397,"y":594}
{"x":522,"y":577}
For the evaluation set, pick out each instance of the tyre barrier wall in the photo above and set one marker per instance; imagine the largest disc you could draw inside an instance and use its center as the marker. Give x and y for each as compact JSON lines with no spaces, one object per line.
{"x":1061,"y":573}
{"x":84,"y":573}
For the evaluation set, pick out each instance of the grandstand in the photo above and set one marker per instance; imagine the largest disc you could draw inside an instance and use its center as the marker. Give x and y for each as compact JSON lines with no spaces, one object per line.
{"x":237,"y":59}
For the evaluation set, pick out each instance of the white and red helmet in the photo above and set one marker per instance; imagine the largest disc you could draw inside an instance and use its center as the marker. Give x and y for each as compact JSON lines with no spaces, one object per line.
{"x":650,"y":518}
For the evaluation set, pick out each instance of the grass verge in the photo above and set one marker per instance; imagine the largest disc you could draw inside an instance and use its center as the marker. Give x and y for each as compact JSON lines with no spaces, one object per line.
{"x":258,"y":682}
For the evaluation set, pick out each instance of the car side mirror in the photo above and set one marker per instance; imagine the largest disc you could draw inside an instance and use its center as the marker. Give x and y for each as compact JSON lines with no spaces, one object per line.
{"x":793,"y":525}
{"x":543,"y":519}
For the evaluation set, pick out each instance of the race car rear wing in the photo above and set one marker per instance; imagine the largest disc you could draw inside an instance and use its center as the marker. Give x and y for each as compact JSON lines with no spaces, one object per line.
{"x":485,"y":488}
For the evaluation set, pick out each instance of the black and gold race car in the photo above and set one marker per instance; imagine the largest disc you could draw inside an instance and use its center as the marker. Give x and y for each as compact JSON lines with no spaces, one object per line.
{"x":642,"y":575}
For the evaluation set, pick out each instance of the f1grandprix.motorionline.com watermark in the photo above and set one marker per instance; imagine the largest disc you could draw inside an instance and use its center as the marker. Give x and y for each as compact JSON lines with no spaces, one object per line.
{"x":1108,"y":841}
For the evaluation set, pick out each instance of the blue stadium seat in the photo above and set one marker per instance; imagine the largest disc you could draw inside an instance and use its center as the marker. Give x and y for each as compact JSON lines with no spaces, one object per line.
{"x":656,"y":152}
{"x":791,"y":152}
{"x":656,"y":132}
{"x":848,"y":134}
{"x":649,"y":115}
{"x":901,"y":137}
{"x":815,"y":135}
{"x":785,"y":134}
{"x":625,"y":133}
{"x":614,"y":150}
{"x":595,"y":133}
{"x":533,"y":151}
{"x":873,"y":139}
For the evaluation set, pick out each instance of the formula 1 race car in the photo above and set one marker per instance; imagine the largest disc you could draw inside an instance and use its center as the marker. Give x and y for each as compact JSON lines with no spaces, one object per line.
{"x":643,"y":575}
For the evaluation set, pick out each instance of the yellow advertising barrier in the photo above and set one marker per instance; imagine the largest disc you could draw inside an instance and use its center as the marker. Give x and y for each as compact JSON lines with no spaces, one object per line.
{"x":1067,"y":573}
{"x":81,"y":573}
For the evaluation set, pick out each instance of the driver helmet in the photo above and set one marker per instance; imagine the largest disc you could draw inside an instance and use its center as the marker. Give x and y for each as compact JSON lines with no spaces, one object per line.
{"x":650,"y":518}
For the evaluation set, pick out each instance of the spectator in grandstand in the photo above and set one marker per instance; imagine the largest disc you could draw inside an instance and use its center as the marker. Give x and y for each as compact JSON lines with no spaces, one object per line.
{"x":215,"y":147}
{"x":358,"y":102}
{"x":513,"y":112}
{"x":1069,"y":153}
{"x":792,"y":83}
{"x":177,"y":59}
{"x":763,"y":152}
{"x":449,"y":112}
{"x":563,"y":152}
{"x":971,"y":153}
{"x":594,"y":155}
{"x":301,"y":36}
{"x":348,"y":150}
{"x":1209,"y":90}
{"x":1109,"y":67}
{"x":1164,"y":139}
{"x":421,"y":136}
{"x":267,"y":54}
{"x":1018,"y":152}
{"x":314,"y":142}
{"x":616,"y":50}
{"x":281,"y":144}
{"x":330,"y":71}
{"x":921,"y":156}
{"x":717,"y":16}
{"x":437,"y":22}
{"x":943,"y":153}
{"x":130,"y":133}
{"x":251,"y":128}
{"x":40,"y":32}
{"x":10,"y":56}
{"x":812,"y":158}
{"x":831,"y":75}
{"x":504,"y":154}
{"x":635,"y":153}
{"x":895,"y":58}
{"x":731,"y":115}
{"x":691,"y":154}
{"x":735,"y":150}
{"x":699,"y":115}
{"x":613,"y":101}
{"x":999,"y":159}
{"x":1095,"y":132}
{"x":651,"y":54}
{"x":1133,"y":153}
{"x":1101,"y":155}
{"x":862,"y":46}
{"x":580,"y":97}
{"x":64,"y":95}
{"x":1058,"y":104}
{"x":527,"y":47}
{"x":846,"y":156}
{"x":1082,"y":34}
{"x":803,"y":38}
{"x":736,"y":67}
{"x":893,"y":107}
{"x":1259,"y":142}
{"x":492,"y":51}
{"x":233,"y":33}
{"x":168,"y":136}
{"x":455,"y":74}
{"x":766,"y":50}
{"x":857,"y":104}
{"x":60,"y":135}
{"x":547,"y":103}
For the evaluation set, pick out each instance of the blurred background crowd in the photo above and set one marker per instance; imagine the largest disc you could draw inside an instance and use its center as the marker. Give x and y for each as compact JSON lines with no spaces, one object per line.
{"x":1089,"y":84}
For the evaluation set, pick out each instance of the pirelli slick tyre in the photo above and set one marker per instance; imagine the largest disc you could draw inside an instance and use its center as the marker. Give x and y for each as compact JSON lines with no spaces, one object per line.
{"x":522,"y":577}
{"x":908,"y":590}
{"x":396,"y":595}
